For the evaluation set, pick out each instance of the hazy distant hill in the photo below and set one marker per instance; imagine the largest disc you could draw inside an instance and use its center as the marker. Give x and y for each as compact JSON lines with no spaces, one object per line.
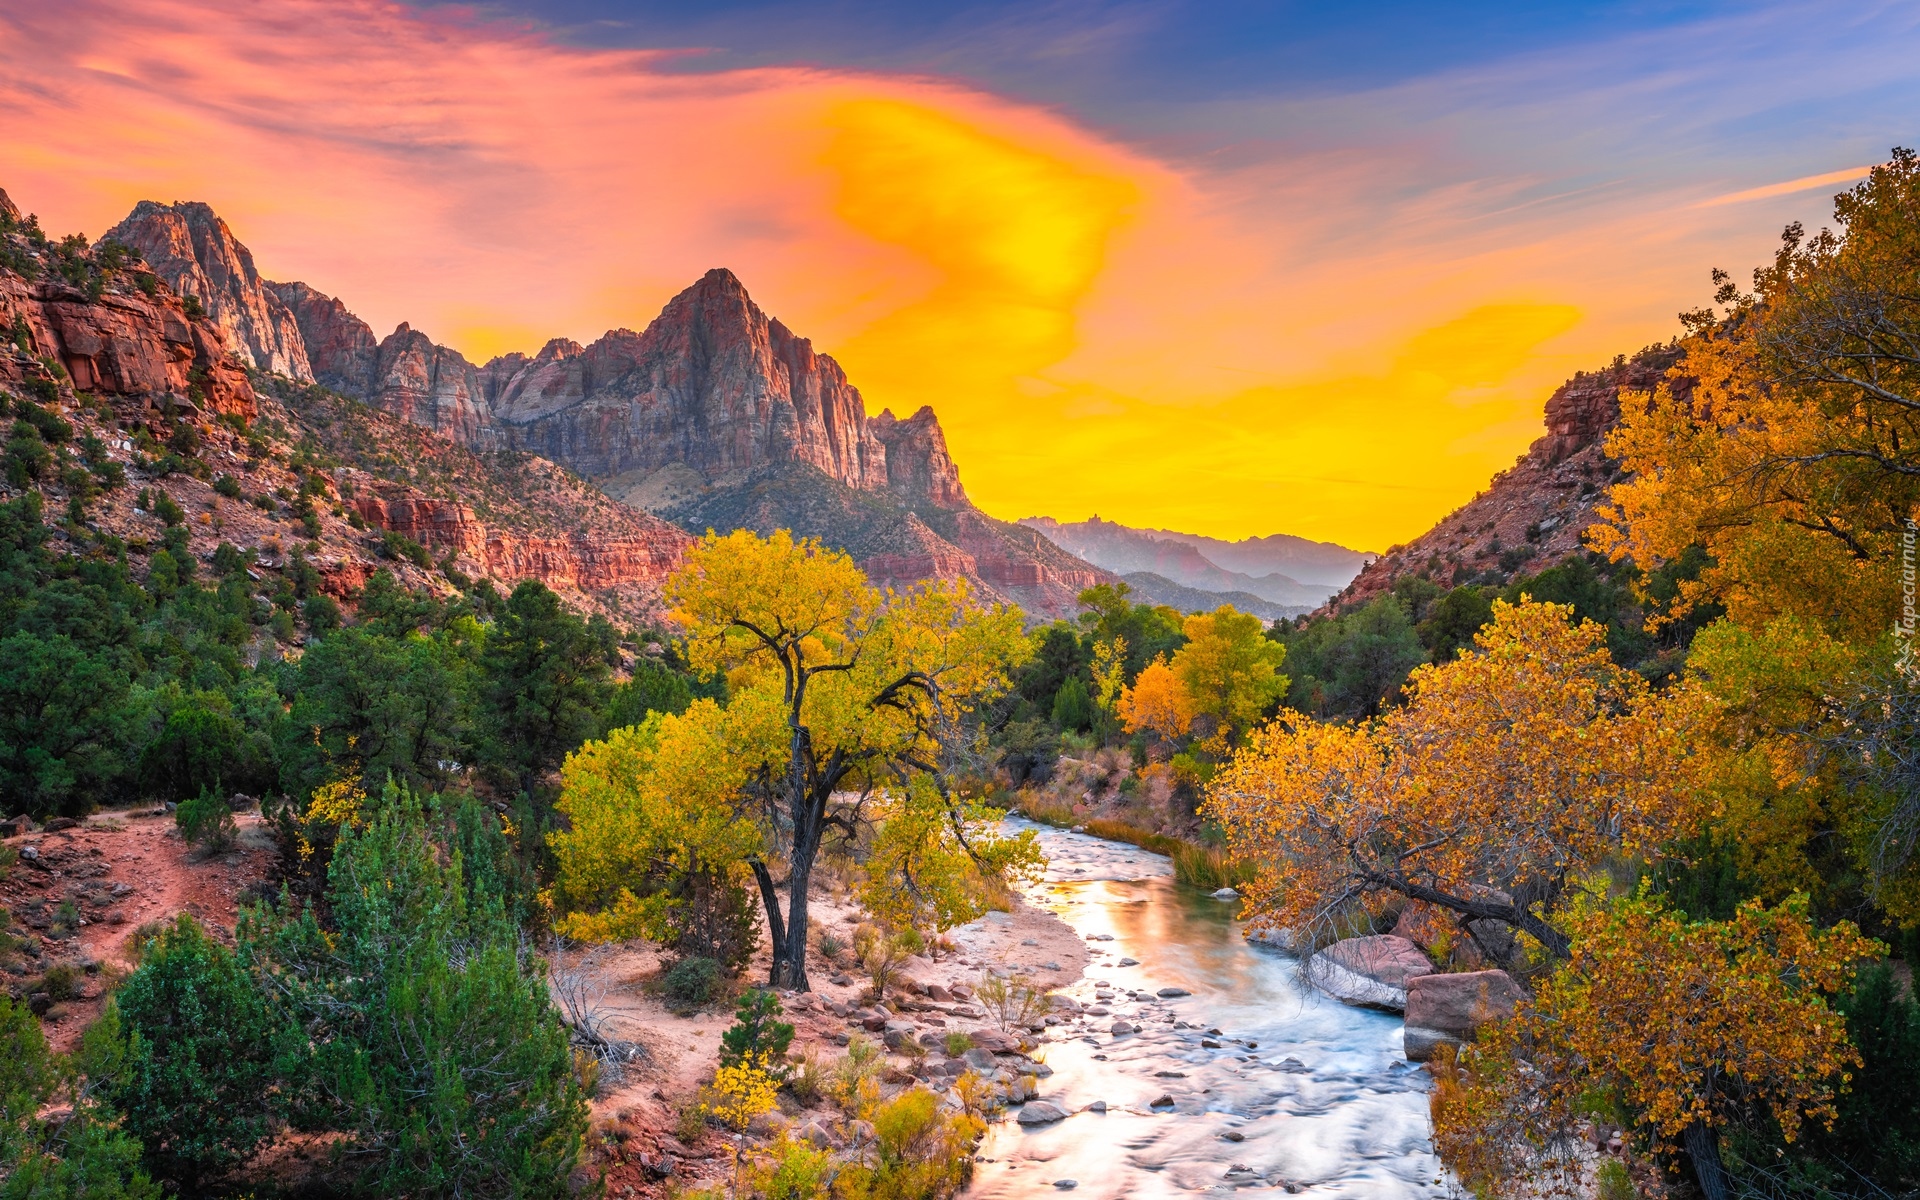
{"x":1289,"y":572}
{"x":1158,"y":589}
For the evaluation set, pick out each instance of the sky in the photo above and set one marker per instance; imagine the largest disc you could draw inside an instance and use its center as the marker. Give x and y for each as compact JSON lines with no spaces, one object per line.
{"x":1228,"y":268}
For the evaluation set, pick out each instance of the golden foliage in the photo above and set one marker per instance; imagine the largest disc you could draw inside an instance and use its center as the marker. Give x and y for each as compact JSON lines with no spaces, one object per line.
{"x":1680,"y":1022}
{"x":742,"y":1091}
{"x":1516,"y":768}
{"x":1157,"y":702}
{"x":1229,"y":668}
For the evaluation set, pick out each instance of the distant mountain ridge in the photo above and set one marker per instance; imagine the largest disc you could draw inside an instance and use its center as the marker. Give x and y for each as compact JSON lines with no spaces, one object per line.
{"x":1294,"y":574}
{"x":715,"y":415}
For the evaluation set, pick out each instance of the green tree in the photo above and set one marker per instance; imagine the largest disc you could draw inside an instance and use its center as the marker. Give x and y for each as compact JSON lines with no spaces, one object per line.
{"x":1072,"y":708}
{"x":56,"y":1138}
{"x":199,"y":1061}
{"x":543,"y":689}
{"x":419,"y":1025}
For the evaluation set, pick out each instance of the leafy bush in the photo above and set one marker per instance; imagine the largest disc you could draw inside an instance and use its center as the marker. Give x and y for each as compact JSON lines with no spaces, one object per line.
{"x":76,"y":1150}
{"x":691,"y":981}
{"x":61,"y":981}
{"x":206,"y":821}
{"x":919,"y":1150}
{"x":199,"y":1057}
{"x":227,"y":485}
{"x":1013,"y":1003}
{"x":423,"y":989}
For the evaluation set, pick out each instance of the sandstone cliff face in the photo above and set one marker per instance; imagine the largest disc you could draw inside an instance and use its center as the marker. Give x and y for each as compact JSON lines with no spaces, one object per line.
{"x":579,"y":560}
{"x":122,"y":344}
{"x":195,"y":252}
{"x":341,"y":350}
{"x":1535,"y":513}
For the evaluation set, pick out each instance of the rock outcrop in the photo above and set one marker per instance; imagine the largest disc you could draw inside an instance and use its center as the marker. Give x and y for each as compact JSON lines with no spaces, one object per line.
{"x":341,"y":348}
{"x":1449,"y":1009}
{"x":578,"y":560}
{"x":123,"y":344}
{"x":1534,"y":514}
{"x":1373,"y":972}
{"x":193,"y":250}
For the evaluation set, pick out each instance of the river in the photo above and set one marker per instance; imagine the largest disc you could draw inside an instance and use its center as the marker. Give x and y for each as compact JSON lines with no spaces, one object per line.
{"x":1273,"y":1087}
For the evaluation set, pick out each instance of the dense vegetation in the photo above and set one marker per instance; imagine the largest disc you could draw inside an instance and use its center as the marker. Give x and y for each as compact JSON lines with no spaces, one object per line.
{"x":1687,"y":789}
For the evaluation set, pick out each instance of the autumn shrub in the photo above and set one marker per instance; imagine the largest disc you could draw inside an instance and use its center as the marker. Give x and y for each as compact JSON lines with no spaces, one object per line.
{"x":741,"y":1091}
{"x":807,"y":1080}
{"x":883,"y":954}
{"x":958,"y":1042}
{"x":855,"y":1084}
{"x":919,"y":1150}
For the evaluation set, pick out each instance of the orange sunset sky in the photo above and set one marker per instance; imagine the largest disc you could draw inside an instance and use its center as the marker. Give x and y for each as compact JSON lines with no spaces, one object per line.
{"x":1329,"y":306}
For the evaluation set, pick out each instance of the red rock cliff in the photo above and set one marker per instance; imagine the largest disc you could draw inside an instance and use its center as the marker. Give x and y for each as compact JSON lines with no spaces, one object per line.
{"x":194,"y":251}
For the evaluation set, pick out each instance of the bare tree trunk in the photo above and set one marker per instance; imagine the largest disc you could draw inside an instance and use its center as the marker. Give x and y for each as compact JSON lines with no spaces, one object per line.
{"x":795,"y":959}
{"x":1703,"y":1148}
{"x":776,"y":931}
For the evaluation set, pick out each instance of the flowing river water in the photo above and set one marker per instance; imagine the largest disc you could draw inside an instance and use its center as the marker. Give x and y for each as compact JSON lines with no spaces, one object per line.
{"x":1273,"y":1087}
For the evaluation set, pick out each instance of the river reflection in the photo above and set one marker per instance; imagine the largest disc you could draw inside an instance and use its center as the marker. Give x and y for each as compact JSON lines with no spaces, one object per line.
{"x":1272,"y":1086}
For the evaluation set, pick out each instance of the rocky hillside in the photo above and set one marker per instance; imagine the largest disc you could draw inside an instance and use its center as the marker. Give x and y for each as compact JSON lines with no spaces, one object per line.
{"x":1533,"y":514}
{"x":142,"y":377}
{"x":1286,"y":572}
{"x":715,"y":415}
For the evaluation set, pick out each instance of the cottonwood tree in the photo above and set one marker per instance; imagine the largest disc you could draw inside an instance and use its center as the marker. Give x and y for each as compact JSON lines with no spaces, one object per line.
{"x":1688,"y":1024}
{"x":848,"y":711}
{"x":1508,"y":774}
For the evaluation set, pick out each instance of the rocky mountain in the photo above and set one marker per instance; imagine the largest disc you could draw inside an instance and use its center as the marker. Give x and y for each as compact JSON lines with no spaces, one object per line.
{"x":1189,"y":560}
{"x":1533,"y":514}
{"x":715,"y":416}
{"x":151,"y":377}
{"x":198,"y":256}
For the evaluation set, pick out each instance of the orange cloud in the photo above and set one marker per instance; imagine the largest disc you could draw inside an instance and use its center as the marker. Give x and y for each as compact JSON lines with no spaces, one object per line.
{"x":1303,"y":343}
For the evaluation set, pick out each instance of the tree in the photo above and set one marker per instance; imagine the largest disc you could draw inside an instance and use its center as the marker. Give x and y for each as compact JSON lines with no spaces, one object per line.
{"x":1229,"y":669}
{"x":399,"y":707}
{"x":1157,"y":702}
{"x":1790,"y":451}
{"x":199,"y":1057}
{"x":419,"y":1025}
{"x":544,"y":686}
{"x":1508,"y":773}
{"x":845,"y":704}
{"x":1685,"y":1024}
{"x":1072,"y":707}
{"x":1146,"y":631}
{"x":1353,"y":665}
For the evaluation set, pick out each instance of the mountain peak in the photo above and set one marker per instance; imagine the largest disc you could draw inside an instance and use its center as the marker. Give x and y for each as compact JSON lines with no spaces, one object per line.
{"x":188,"y":245}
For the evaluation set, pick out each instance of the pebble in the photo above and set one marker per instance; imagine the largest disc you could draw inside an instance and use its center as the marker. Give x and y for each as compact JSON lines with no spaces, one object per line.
{"x":1066,"y":1185}
{"x":1169,"y":993}
{"x":1234,"y":1135}
{"x":1226,"y":893}
{"x":1029,"y":942}
{"x":1128,"y":962}
{"x":1098,"y":1106}
{"x":1163,"y":1102}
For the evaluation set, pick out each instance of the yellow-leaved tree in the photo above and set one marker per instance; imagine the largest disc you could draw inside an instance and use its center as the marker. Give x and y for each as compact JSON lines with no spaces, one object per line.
{"x":850,"y":715}
{"x":1508,"y":774}
{"x":1784,"y":455}
{"x":1230,"y":670}
{"x":1686,"y":1023}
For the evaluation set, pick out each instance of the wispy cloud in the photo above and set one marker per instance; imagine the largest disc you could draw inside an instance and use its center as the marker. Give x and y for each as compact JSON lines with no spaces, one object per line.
{"x":1805,"y":183}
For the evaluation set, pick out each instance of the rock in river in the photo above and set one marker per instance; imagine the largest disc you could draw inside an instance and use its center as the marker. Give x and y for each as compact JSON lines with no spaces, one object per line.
{"x":1040,"y":1112}
{"x":1369,"y":971}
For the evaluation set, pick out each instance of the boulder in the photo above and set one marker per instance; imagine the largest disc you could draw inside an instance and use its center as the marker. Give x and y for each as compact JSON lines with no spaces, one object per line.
{"x":1372,"y":972}
{"x":1450,"y":1009}
{"x":979,"y":1058}
{"x":1040,"y":1112}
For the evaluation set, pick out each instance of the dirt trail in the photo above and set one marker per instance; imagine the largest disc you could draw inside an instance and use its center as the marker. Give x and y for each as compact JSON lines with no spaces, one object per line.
{"x":79,"y":895}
